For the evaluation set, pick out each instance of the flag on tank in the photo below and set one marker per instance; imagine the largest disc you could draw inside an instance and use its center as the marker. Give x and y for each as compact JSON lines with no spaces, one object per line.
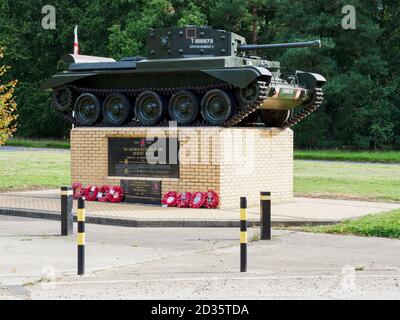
{"x":76,"y":42}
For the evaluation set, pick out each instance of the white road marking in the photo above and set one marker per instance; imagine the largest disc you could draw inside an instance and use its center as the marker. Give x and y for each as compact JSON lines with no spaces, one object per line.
{"x":222,"y":279}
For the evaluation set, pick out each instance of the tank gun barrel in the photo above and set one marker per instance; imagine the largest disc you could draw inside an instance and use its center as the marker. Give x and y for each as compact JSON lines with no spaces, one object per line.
{"x":246,"y":47}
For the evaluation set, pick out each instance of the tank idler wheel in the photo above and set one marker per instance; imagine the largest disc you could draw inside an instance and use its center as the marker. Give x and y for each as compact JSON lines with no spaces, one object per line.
{"x":184,"y":107}
{"x":150,"y":108}
{"x":249,"y":94}
{"x":275,"y":118}
{"x":217,"y":106}
{"x":88,"y":109}
{"x":116,"y":109}
{"x":63,"y":99}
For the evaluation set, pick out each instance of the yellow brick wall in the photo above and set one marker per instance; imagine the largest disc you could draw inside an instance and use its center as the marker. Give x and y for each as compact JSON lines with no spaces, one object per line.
{"x":235,"y":162}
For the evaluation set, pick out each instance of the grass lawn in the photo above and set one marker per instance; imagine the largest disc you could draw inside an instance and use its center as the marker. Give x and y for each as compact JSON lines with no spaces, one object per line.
{"x":383,"y":225}
{"x":57,"y":144}
{"x":25,"y":170}
{"x":355,"y":156}
{"x":345,"y":180}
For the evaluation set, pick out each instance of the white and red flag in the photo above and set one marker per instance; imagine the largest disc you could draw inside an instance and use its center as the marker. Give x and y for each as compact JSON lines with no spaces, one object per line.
{"x":76,"y":42}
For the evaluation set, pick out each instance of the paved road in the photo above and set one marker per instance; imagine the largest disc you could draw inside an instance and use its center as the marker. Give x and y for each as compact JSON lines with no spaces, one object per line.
{"x":125,"y":263}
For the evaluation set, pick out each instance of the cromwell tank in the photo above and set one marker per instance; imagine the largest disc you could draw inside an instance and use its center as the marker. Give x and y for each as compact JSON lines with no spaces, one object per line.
{"x":191,"y":75}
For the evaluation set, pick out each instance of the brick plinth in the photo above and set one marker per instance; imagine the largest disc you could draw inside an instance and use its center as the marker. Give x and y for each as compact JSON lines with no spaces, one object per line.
{"x":234,"y":162}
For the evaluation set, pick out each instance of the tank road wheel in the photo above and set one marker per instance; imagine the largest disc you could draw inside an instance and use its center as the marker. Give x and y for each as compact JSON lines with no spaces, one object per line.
{"x":275,"y":118}
{"x":63,"y":99}
{"x":184,"y":107}
{"x":217,"y":107}
{"x":249,"y":94}
{"x":87,"y":109}
{"x":150,"y":108}
{"x":116,"y":109}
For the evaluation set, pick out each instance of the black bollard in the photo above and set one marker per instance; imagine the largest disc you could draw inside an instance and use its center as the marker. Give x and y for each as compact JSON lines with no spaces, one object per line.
{"x":67,"y":218}
{"x":243,"y":234}
{"x":81,"y":236}
{"x":265,"y":215}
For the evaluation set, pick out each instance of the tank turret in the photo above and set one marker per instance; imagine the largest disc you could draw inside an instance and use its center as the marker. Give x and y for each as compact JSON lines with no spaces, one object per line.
{"x":194,"y":41}
{"x":192,"y":75}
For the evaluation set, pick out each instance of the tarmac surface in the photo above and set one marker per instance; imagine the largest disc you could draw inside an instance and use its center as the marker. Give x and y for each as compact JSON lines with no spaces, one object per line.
{"x":192,"y":263}
{"x":46,"y":204}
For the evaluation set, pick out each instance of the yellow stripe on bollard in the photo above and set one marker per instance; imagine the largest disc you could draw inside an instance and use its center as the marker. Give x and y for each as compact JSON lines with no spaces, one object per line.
{"x":81,"y":215}
{"x":265,"y":197}
{"x":243,"y":214}
{"x":81,"y":239}
{"x":66,"y":193}
{"x":243,"y":237}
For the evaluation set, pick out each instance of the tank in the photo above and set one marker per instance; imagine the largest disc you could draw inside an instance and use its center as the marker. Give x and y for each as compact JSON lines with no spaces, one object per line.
{"x":196,"y":76}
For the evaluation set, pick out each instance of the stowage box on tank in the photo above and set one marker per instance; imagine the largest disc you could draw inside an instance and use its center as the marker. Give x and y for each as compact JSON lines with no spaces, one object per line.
{"x":191,"y":75}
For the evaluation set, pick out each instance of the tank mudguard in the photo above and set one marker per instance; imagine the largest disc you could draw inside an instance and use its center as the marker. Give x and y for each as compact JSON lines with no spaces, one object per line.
{"x":63,"y":79}
{"x":240,"y":77}
{"x":311,"y":80}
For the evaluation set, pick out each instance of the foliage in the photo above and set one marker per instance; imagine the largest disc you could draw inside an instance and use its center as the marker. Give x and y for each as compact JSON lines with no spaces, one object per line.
{"x":8,"y":106}
{"x":361,"y":66}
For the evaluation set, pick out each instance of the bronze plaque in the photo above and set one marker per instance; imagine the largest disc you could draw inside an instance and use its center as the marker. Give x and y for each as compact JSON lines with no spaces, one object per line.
{"x":127,"y":158}
{"x":147,"y":192}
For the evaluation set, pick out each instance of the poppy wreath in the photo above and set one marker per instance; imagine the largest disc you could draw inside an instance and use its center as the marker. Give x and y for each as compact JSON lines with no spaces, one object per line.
{"x":91,"y":193}
{"x":170,"y":199}
{"x":212,"y":199}
{"x":78,"y":190}
{"x":115,"y":194}
{"x":184,"y":200}
{"x":102,"y":196}
{"x":198,"y":200}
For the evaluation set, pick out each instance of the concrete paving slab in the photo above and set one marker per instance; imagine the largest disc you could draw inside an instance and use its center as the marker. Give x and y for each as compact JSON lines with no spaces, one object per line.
{"x":41,"y":204}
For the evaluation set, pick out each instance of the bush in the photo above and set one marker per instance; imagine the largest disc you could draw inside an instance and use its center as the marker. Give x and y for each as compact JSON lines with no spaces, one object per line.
{"x":8,"y":106}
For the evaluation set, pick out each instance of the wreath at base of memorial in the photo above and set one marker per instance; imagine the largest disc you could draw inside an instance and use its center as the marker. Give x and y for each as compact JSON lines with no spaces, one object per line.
{"x":212,"y":199}
{"x":198,"y":200}
{"x":115,"y":194}
{"x":170,"y":199}
{"x":78,"y":190}
{"x":184,"y":200}
{"x":102,"y":196}
{"x":91,"y":193}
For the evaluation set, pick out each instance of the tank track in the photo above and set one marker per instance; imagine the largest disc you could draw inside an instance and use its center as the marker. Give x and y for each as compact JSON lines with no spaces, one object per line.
{"x":314,"y":104}
{"x":239,"y":116}
{"x":250,"y":108}
{"x":243,"y":112}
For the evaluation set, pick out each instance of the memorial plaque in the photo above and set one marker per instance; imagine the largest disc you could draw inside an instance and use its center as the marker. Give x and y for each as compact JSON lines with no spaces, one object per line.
{"x":129,"y":157}
{"x":138,"y":191}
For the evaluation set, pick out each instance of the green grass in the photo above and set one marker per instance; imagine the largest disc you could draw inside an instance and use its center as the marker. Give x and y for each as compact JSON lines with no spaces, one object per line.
{"x":381,"y":225}
{"x":29,"y":143}
{"x":25,"y":170}
{"x":355,"y":156}
{"x":345,"y":180}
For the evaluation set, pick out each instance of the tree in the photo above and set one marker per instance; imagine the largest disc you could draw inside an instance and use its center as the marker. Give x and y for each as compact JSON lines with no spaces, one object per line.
{"x":8,"y":106}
